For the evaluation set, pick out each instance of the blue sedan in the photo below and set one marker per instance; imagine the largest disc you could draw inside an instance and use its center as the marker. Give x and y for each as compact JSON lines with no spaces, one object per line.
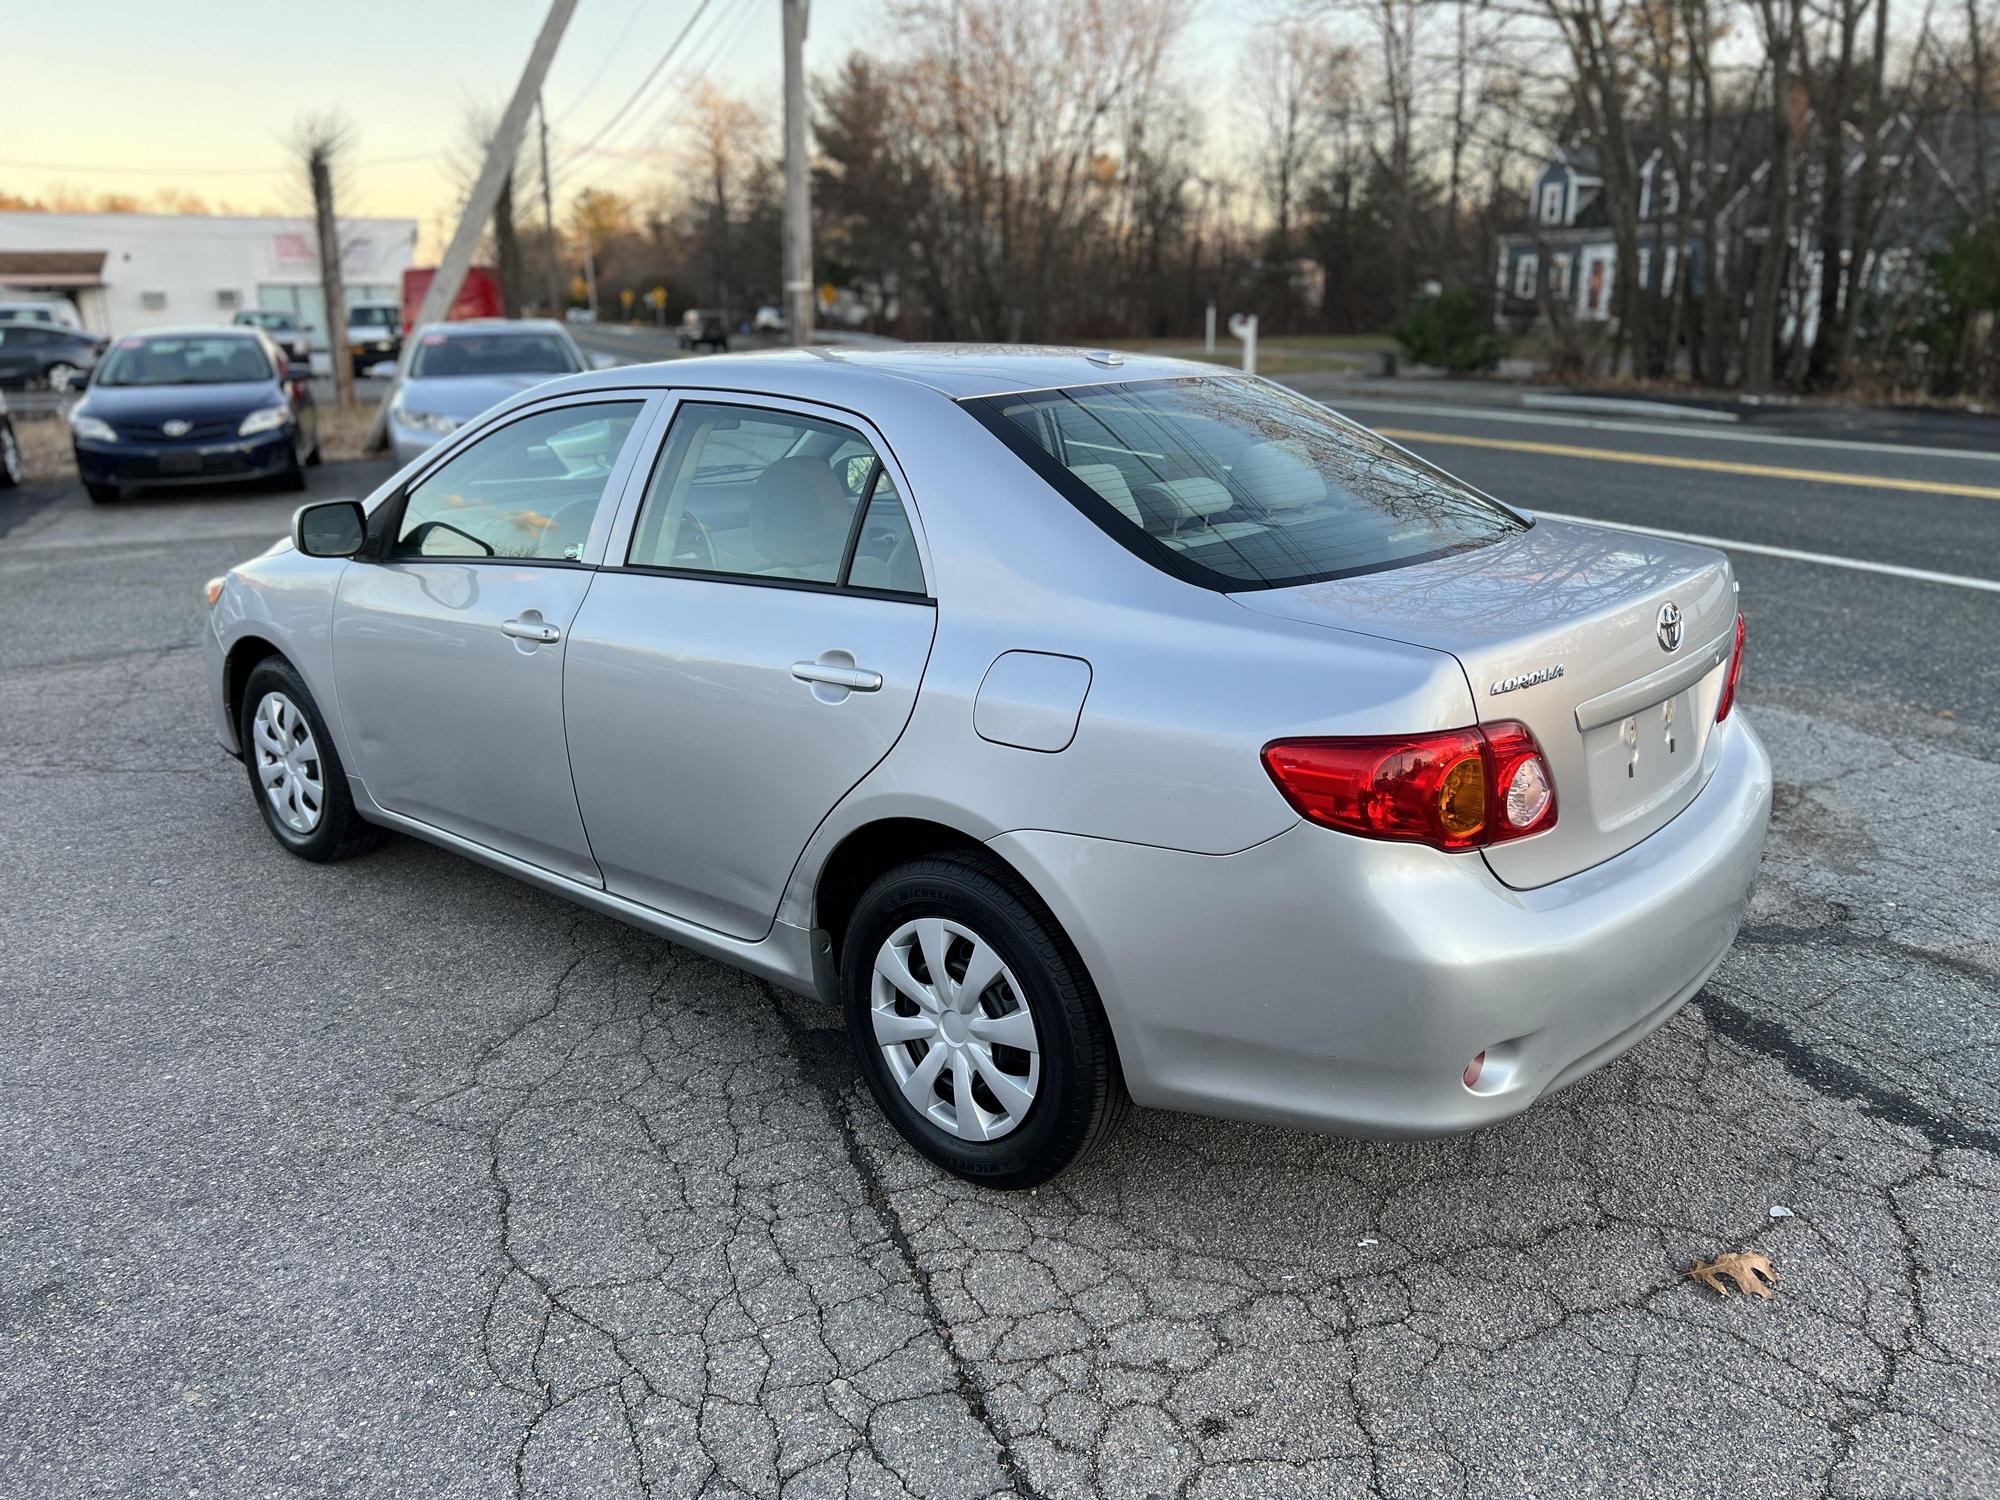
{"x":192,"y":407}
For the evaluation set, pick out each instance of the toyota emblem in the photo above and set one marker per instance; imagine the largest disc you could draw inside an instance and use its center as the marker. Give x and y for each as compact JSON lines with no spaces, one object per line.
{"x":1670,"y":627}
{"x":175,"y":428}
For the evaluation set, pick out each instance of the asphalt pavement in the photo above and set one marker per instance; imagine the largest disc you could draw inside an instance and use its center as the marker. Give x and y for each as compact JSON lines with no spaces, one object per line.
{"x":400,"y":1178}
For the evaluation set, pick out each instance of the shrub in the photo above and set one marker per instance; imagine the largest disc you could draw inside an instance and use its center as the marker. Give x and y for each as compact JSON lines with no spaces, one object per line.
{"x":1453,"y":331}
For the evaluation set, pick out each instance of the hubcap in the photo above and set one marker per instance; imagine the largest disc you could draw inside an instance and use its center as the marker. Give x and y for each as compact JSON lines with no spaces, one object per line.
{"x":955,"y":1029}
{"x":288,"y":762}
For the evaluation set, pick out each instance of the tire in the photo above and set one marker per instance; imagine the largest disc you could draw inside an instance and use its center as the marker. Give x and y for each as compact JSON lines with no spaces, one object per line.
{"x":11,"y":467}
{"x":293,"y":478}
{"x":104,"y":494}
{"x":1075,"y":1093}
{"x":333,"y":830}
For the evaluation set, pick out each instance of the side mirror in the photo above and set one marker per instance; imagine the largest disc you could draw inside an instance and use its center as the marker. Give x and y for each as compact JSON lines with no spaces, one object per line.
{"x":332,"y":528}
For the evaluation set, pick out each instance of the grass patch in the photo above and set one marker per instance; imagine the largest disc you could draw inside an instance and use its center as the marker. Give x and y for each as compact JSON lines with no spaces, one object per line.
{"x":342,"y":431}
{"x":47,"y":455}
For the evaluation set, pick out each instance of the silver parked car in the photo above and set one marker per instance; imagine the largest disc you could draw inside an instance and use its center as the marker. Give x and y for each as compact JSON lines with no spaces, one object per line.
{"x":458,"y":370}
{"x":1092,"y":730}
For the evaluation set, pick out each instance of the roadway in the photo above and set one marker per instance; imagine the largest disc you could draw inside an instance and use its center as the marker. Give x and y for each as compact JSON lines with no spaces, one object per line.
{"x":398,"y":1177}
{"x":1870,"y":571}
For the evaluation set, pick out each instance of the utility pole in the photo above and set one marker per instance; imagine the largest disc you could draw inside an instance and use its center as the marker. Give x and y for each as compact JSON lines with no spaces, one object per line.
{"x":500,"y":152}
{"x":589,"y":265}
{"x":549,"y":214}
{"x":798,"y":186}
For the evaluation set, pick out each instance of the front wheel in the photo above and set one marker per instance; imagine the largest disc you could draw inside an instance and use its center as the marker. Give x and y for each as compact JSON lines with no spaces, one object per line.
{"x":104,"y":494}
{"x":11,"y":468}
{"x":975,"y":1024}
{"x":295,"y":771}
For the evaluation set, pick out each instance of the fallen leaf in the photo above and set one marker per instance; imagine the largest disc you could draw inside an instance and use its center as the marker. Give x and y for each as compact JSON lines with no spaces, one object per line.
{"x":1751,"y":1271}
{"x":1946,"y":713}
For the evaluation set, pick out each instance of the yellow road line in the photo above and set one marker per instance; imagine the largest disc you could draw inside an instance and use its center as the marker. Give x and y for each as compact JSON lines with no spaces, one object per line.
{"x":1705,"y":465}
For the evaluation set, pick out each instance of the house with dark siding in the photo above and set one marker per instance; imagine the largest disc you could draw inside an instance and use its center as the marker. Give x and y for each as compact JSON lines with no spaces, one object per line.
{"x":1564,"y":257}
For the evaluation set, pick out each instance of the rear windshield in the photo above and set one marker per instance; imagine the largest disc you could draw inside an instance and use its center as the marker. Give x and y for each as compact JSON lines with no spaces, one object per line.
{"x":1237,"y":484}
{"x":443,"y":355}
{"x":375,"y":317}
{"x":196,"y":359}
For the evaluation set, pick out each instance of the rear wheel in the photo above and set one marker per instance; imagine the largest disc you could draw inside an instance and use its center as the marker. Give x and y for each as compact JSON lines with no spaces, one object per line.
{"x":295,"y":771}
{"x":975,"y":1024}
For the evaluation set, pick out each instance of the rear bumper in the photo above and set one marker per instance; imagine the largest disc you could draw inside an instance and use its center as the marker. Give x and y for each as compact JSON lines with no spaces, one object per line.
{"x":260,"y":457}
{"x":1343,"y":985}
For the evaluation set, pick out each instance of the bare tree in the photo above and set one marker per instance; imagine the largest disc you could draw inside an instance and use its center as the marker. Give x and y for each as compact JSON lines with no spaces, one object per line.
{"x":319,"y":141}
{"x":1778,"y":23}
{"x":1292,"y":72}
{"x":481,"y":125}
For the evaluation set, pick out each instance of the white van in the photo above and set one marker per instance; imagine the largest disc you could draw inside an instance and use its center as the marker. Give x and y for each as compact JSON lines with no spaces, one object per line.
{"x":59,"y":311}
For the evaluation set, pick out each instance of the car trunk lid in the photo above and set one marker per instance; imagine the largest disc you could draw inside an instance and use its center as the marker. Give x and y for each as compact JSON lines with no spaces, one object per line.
{"x":1565,"y":628}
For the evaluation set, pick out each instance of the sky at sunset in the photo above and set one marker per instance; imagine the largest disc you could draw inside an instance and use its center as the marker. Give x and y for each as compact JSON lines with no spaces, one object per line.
{"x":135,"y":97}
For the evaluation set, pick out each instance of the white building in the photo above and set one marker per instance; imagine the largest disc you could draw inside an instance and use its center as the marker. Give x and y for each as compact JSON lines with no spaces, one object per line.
{"x":130,"y":271}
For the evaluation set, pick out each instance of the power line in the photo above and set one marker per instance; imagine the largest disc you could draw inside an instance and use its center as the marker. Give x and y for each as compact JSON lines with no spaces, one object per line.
{"x":724,"y":31}
{"x":610,"y":57}
{"x":646,"y":83}
{"x":111,"y":171}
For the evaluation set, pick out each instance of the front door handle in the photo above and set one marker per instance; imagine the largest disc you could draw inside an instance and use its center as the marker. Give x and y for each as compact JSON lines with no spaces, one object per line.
{"x":531,"y":630}
{"x":854,"y":679}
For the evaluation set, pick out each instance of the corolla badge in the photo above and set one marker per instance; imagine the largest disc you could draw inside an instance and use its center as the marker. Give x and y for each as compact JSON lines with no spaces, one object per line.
{"x":176,"y":428}
{"x":1670,"y":627}
{"x":1527,"y":679}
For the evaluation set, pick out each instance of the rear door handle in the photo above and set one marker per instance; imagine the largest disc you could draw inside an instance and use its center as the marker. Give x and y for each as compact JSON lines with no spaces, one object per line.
{"x":531,"y":630}
{"x":854,"y":679}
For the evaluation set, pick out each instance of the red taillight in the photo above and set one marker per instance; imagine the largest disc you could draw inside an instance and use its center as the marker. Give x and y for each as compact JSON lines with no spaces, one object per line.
{"x":1458,"y":789}
{"x":1735,"y":670}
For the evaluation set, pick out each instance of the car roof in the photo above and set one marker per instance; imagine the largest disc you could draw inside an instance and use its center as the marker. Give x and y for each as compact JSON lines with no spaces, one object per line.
{"x":194,"y":330}
{"x":956,"y":371}
{"x":493,"y":325}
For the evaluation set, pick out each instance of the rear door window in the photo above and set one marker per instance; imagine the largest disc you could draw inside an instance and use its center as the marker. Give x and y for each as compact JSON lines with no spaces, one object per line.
{"x":754,"y":493}
{"x":1236,"y":484}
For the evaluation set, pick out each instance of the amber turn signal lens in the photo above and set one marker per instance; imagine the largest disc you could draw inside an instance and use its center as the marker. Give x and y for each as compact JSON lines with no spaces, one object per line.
{"x":1462,"y":798}
{"x":213,"y":589}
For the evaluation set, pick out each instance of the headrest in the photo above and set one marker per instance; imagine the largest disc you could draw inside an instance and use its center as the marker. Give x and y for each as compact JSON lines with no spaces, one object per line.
{"x":798,"y":513}
{"x":1109,"y":481}
{"x":1198,"y":496}
{"x":1279,"y":477}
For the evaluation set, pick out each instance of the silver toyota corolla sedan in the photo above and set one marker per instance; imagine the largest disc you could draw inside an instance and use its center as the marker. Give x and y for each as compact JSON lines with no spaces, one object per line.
{"x":1091,"y":729}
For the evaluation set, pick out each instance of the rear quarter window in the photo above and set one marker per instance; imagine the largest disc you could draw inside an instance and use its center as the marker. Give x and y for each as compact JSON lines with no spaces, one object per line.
{"x":1236,"y":484}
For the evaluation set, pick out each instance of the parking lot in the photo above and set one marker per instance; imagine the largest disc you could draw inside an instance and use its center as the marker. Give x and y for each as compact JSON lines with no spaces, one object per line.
{"x":400,"y":1178}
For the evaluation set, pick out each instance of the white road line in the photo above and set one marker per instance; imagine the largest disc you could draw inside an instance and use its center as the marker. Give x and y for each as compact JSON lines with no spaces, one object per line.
{"x":1792,"y":554}
{"x":1687,"y":431}
{"x":1659,"y":411}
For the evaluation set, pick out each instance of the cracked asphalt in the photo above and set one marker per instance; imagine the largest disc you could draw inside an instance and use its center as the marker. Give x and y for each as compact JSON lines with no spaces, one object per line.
{"x":398,"y":1178}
